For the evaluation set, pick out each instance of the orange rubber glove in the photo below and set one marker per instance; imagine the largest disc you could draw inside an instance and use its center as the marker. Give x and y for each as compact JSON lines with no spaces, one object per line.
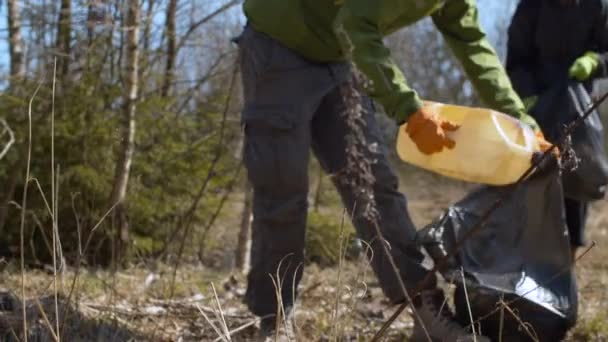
{"x":427,"y":130}
{"x":545,"y":145}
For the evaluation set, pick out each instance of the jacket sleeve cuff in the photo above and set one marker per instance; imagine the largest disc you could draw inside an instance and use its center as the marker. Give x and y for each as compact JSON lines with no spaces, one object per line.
{"x":405,"y":110}
{"x":602,"y":71}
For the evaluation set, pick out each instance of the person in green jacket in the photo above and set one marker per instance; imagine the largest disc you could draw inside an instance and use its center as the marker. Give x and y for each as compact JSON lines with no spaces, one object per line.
{"x":298,"y":58}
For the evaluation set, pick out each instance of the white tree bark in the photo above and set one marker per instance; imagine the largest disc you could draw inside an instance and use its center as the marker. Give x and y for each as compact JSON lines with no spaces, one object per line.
{"x":15,"y":40}
{"x":125,"y":153}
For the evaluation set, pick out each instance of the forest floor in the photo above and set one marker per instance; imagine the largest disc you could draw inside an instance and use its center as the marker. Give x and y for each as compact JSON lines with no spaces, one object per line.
{"x":148,"y":302}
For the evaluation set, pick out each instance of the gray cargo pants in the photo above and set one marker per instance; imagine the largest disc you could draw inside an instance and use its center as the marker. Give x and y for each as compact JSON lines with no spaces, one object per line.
{"x":291,"y":106}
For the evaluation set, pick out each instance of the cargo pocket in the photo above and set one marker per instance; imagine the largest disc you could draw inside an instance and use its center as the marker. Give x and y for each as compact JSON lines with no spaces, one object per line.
{"x":276,"y":153}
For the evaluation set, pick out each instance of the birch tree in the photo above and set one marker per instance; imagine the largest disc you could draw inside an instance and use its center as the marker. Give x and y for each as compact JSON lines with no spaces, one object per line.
{"x":127,"y":146}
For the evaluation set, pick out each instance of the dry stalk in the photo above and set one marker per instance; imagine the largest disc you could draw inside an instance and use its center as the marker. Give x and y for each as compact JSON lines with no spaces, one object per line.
{"x":360,"y":278}
{"x":77,"y":272}
{"x":281,"y":316}
{"x":358,"y":171}
{"x":96,"y":226}
{"x":58,"y":265}
{"x":466,"y":296}
{"x":528,"y":328}
{"x":218,"y":209}
{"x":54,"y":197}
{"x":293,"y":305}
{"x":42,"y":195}
{"x":23,"y":209}
{"x":40,"y":227}
{"x":501,"y":324}
{"x":217,"y":330}
{"x":48,"y":324}
{"x":221,"y":314}
{"x":240,"y":328}
{"x":336,"y":313}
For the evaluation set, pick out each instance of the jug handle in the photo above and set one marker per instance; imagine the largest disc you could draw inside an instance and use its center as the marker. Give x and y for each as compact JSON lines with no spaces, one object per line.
{"x":528,"y":135}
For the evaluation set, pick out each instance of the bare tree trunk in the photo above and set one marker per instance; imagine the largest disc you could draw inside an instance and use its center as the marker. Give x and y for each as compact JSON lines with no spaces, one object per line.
{"x":125,"y":154}
{"x":171,"y":47}
{"x":15,"y":41}
{"x":64,"y":24}
{"x":146,"y":34}
{"x":17,"y":61}
{"x":243,"y":246}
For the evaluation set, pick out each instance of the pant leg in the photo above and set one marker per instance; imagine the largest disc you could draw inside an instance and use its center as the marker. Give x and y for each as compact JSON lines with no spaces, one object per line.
{"x":281,"y":92}
{"x":576,"y":218}
{"x":277,"y":164}
{"x":330,"y":131}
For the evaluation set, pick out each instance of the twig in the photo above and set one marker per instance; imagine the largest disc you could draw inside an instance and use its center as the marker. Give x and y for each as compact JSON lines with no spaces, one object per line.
{"x":46,"y":319}
{"x":188,"y":216}
{"x":407,"y":296}
{"x":210,"y":73}
{"x":204,"y":20}
{"x":77,"y":272}
{"x":219,"y":208}
{"x":294,"y":286}
{"x":23,"y":209}
{"x":339,"y":284}
{"x":217,"y":330}
{"x":54,"y":198}
{"x":243,"y":327}
{"x":278,"y":286}
{"x":360,"y":279}
{"x":86,"y":245}
{"x":527,"y":327}
{"x":466,"y":296}
{"x":219,"y":308}
{"x":11,"y":138}
{"x":502,"y":319}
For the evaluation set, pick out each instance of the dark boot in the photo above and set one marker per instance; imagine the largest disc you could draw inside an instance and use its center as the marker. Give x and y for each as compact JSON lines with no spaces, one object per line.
{"x":439,"y":321}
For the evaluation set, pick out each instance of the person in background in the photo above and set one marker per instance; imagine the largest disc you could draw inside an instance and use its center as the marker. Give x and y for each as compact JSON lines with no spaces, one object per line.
{"x":555,"y":40}
{"x":298,"y":58}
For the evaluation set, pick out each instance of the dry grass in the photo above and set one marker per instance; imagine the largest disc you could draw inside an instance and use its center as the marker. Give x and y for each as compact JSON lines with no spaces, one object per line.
{"x":141,"y":309}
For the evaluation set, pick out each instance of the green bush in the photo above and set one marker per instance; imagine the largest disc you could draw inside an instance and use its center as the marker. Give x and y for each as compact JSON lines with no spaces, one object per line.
{"x":594,"y":329}
{"x":172,"y":158}
{"x":325,"y":235}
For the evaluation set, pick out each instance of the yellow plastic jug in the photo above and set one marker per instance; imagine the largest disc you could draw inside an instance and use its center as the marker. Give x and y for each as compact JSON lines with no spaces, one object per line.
{"x":491,"y":147}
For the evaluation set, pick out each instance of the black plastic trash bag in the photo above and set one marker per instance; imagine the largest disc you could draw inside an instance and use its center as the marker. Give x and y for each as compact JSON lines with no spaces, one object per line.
{"x":560,"y":106}
{"x":522,"y":253}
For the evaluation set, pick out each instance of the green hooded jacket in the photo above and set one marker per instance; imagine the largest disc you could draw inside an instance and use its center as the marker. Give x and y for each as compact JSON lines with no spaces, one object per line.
{"x":339,"y":30}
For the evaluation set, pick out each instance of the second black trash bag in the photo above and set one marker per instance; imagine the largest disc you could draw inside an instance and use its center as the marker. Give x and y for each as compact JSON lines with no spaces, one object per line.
{"x":560,"y":106}
{"x":522,"y":253}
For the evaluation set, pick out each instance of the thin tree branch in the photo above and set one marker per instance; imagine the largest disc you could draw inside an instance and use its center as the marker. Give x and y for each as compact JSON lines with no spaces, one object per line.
{"x":11,"y":138}
{"x":189,"y":215}
{"x":205,"y":20}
